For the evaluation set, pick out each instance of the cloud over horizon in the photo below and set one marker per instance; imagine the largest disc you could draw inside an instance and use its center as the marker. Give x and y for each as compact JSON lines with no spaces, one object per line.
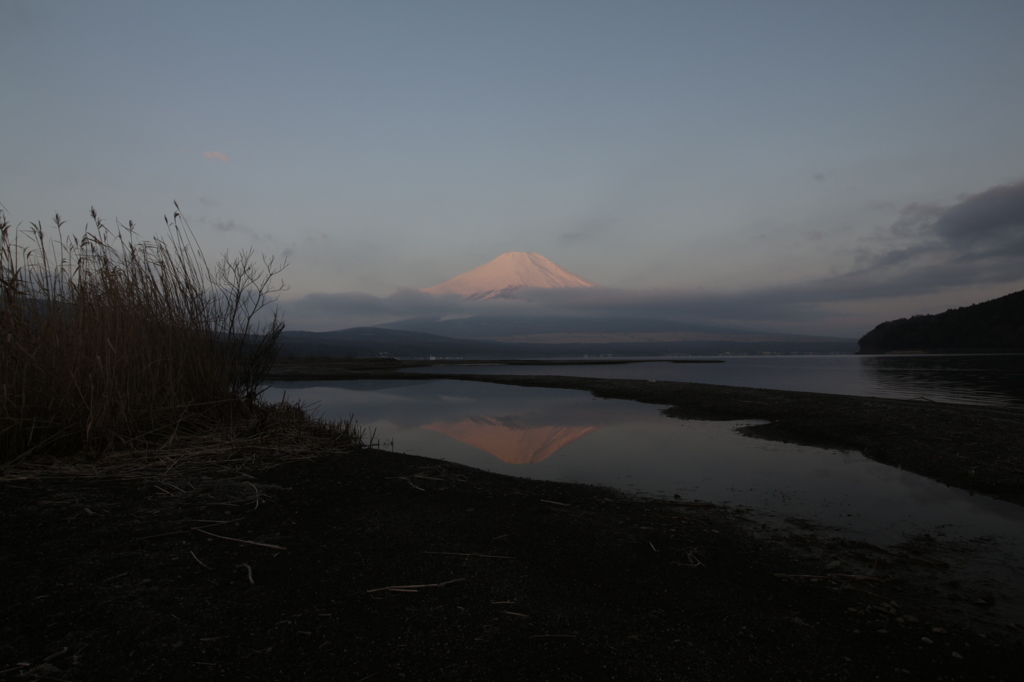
{"x":216,"y":156}
{"x":929,"y":249}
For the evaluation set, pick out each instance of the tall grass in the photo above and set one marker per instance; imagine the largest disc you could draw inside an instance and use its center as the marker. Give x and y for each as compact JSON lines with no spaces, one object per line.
{"x":111,"y":341}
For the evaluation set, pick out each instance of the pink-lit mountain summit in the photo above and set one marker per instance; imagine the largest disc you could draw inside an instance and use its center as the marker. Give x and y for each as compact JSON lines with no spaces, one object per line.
{"x":508,"y":272}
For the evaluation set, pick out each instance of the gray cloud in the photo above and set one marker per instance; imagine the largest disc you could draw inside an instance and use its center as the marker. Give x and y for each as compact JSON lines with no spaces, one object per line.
{"x":353,"y":309}
{"x":983,"y":232}
{"x":232,"y":226}
{"x":588,"y":231}
{"x":241,"y":228}
{"x":339,"y":311}
{"x":977,"y":241}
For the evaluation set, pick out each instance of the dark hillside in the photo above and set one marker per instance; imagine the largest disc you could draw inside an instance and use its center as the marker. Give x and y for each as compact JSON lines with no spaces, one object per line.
{"x":996,"y":325}
{"x":371,"y":342}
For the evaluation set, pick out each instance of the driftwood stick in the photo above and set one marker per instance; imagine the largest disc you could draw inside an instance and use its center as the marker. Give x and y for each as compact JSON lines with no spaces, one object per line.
{"x":560,"y":504}
{"x":540,"y":636}
{"x":211,"y":524}
{"x":199,"y":562}
{"x":248,"y":568}
{"x":413,"y":588}
{"x":244,"y":542}
{"x":858,"y":577}
{"x":831,"y":576}
{"x":481,"y":556}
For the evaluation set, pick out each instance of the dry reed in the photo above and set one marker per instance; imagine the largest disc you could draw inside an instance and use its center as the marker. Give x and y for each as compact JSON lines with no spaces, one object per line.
{"x":112,"y":342}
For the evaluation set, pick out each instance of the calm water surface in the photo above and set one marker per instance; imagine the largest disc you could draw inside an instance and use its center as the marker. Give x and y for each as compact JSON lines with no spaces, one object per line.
{"x":566,"y":435}
{"x":966,"y":379}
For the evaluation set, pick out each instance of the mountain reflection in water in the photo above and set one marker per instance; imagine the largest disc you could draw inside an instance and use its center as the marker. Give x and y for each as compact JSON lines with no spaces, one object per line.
{"x":510,"y":440}
{"x":568,"y":435}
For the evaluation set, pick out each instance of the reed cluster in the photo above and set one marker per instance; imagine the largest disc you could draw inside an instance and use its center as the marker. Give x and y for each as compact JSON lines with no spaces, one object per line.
{"x":109,"y":341}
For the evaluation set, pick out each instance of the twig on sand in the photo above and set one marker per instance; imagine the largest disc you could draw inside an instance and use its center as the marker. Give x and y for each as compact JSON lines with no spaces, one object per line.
{"x":413,"y":588}
{"x":249,"y":569}
{"x":833,"y":576}
{"x":182,"y":532}
{"x":846,"y":576}
{"x":560,"y":504}
{"x":409,"y":481}
{"x":481,"y":556}
{"x":244,"y":542}
{"x":540,"y":636}
{"x":513,"y":613}
{"x":199,"y":562}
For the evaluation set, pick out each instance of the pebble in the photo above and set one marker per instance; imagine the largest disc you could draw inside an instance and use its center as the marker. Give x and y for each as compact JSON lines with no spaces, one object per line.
{"x":941,"y":631}
{"x":956,"y":655}
{"x":927,"y":641}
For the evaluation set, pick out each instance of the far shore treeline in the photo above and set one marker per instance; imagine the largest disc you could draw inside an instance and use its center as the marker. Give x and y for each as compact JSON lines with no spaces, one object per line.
{"x":991,"y":327}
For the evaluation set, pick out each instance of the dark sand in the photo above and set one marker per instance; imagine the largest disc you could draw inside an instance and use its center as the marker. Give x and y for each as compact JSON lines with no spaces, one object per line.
{"x":511,"y":579}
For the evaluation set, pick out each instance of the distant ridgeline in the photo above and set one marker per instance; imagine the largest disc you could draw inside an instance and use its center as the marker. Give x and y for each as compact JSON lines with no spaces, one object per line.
{"x":996,"y":325}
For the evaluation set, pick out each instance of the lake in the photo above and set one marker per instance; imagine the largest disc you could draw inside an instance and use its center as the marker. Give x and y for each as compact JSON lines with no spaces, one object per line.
{"x":568,"y":435}
{"x":965,"y":379}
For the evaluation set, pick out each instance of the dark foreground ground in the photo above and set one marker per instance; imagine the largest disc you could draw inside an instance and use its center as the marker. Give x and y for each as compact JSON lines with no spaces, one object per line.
{"x":378,"y":566}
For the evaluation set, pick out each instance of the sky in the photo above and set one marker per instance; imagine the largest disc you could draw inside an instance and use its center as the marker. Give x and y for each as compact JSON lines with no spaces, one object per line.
{"x":793,"y":166}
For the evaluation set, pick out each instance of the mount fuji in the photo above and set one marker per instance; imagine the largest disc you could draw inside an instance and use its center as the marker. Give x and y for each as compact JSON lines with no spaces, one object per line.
{"x":507,"y":273}
{"x":532,"y":331}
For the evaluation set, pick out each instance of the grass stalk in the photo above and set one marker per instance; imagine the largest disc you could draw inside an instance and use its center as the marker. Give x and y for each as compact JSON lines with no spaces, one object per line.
{"x":110,"y":341}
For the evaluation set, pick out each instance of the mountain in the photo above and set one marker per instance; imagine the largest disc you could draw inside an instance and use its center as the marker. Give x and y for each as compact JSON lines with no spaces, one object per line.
{"x":508,"y":272}
{"x":992,"y":326}
{"x":371,"y":342}
{"x":550,"y":329}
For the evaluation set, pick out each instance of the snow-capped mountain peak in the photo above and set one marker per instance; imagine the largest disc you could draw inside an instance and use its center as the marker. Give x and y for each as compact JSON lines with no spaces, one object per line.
{"x":508,"y":272}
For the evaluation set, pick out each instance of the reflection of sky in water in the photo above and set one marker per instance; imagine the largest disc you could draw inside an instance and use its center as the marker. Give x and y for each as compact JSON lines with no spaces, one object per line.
{"x":977,"y":379}
{"x":633,"y":447}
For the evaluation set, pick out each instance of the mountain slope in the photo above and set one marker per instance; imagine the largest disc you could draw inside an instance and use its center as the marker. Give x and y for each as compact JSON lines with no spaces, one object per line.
{"x":369,"y":342}
{"x":563,"y":329}
{"x":508,"y":272}
{"x":996,"y":325}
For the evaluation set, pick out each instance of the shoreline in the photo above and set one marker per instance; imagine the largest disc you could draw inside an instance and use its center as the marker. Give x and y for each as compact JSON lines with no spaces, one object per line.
{"x":367,"y":564}
{"x":976,"y":448}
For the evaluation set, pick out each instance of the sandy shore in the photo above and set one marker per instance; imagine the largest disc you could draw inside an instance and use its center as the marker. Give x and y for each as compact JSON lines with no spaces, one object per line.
{"x":371,"y":565}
